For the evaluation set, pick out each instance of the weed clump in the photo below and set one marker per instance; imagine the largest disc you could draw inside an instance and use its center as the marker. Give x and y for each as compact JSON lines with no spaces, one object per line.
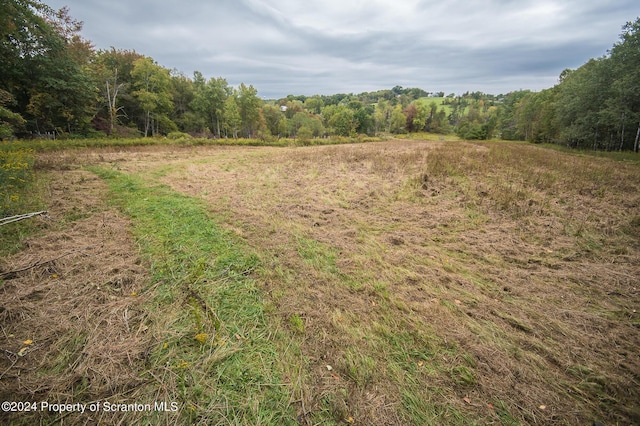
{"x":16,"y":173}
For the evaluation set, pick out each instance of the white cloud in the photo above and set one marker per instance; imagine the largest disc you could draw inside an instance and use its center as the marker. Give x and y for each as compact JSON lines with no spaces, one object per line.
{"x":289,"y":46}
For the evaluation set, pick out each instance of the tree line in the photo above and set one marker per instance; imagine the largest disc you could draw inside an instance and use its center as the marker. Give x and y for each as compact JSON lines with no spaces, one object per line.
{"x":53,"y":81}
{"x":595,"y":106}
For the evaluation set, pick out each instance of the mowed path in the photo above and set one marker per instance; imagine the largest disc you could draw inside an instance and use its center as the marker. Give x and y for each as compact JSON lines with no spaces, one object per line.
{"x":518,"y":265}
{"x":432,"y":282}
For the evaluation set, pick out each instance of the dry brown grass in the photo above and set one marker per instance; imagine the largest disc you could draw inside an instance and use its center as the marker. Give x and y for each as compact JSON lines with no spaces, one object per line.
{"x":426,"y":282}
{"x":519,"y":261}
{"x":80,"y":305}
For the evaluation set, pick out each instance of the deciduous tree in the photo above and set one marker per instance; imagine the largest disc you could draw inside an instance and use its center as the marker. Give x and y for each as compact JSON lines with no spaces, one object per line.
{"x":43,"y":66}
{"x":249,"y":105}
{"x":112,"y":72}
{"x":152,"y":85}
{"x":232,"y":118}
{"x":209,"y":101}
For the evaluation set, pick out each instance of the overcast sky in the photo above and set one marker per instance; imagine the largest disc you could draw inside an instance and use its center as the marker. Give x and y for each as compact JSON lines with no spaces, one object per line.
{"x":311,"y":47}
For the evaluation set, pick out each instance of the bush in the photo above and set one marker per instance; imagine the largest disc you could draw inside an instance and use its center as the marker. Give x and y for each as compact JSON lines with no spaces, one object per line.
{"x":16,"y":172}
{"x":179,"y":135}
{"x":304,"y":134}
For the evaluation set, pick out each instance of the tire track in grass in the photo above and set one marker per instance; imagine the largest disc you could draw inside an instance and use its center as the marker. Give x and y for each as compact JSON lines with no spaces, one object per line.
{"x":215,"y":350}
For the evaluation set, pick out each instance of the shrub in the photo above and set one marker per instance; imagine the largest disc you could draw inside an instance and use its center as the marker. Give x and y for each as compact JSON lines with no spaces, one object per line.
{"x":16,"y":172}
{"x":179,"y":135}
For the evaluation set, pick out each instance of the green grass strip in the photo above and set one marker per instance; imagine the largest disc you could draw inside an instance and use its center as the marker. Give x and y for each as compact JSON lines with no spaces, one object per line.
{"x":214,"y":350}
{"x":43,"y":145}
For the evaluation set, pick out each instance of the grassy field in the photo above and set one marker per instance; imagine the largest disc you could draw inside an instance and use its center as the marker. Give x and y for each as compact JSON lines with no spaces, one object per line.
{"x":442,"y":103}
{"x":184,"y":140}
{"x":398,"y":282}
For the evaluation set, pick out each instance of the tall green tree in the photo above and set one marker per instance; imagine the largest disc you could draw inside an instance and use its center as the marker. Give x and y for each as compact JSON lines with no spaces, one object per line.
{"x":397,"y":120}
{"x":314,"y":104}
{"x":183,"y":94}
{"x":152,"y":85}
{"x":10,"y":122}
{"x":232,"y":118}
{"x":507,"y":115}
{"x":209,"y":101}
{"x":118,"y":107}
{"x":625,"y":91}
{"x":249,"y":105}
{"x":303,"y":119}
{"x":535,"y":116}
{"x":581,"y":96}
{"x":293,"y":106}
{"x":44,"y":67}
{"x":418,"y":116}
{"x":365,"y":120}
{"x":382,"y":115}
{"x":25,"y":36}
{"x":275,"y":120}
{"x":340,"y":119}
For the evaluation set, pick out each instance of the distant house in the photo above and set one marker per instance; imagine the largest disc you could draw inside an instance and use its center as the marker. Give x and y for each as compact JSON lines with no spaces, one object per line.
{"x":283,"y":108}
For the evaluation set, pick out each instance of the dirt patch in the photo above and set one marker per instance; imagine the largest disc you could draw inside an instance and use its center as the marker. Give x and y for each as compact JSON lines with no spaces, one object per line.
{"x":73,"y":327}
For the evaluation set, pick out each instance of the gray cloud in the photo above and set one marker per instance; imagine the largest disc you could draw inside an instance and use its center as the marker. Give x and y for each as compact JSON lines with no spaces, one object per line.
{"x":290,"y":47}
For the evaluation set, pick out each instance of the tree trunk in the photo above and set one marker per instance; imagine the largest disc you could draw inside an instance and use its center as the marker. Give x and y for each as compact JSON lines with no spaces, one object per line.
{"x":147,"y":121}
{"x":622,"y":134}
{"x":110,"y":108}
{"x":635,"y":145}
{"x":112,"y":95}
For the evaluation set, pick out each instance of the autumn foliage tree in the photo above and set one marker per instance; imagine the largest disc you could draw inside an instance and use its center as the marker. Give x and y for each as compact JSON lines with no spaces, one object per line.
{"x":53,"y":81}
{"x":44,"y":68}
